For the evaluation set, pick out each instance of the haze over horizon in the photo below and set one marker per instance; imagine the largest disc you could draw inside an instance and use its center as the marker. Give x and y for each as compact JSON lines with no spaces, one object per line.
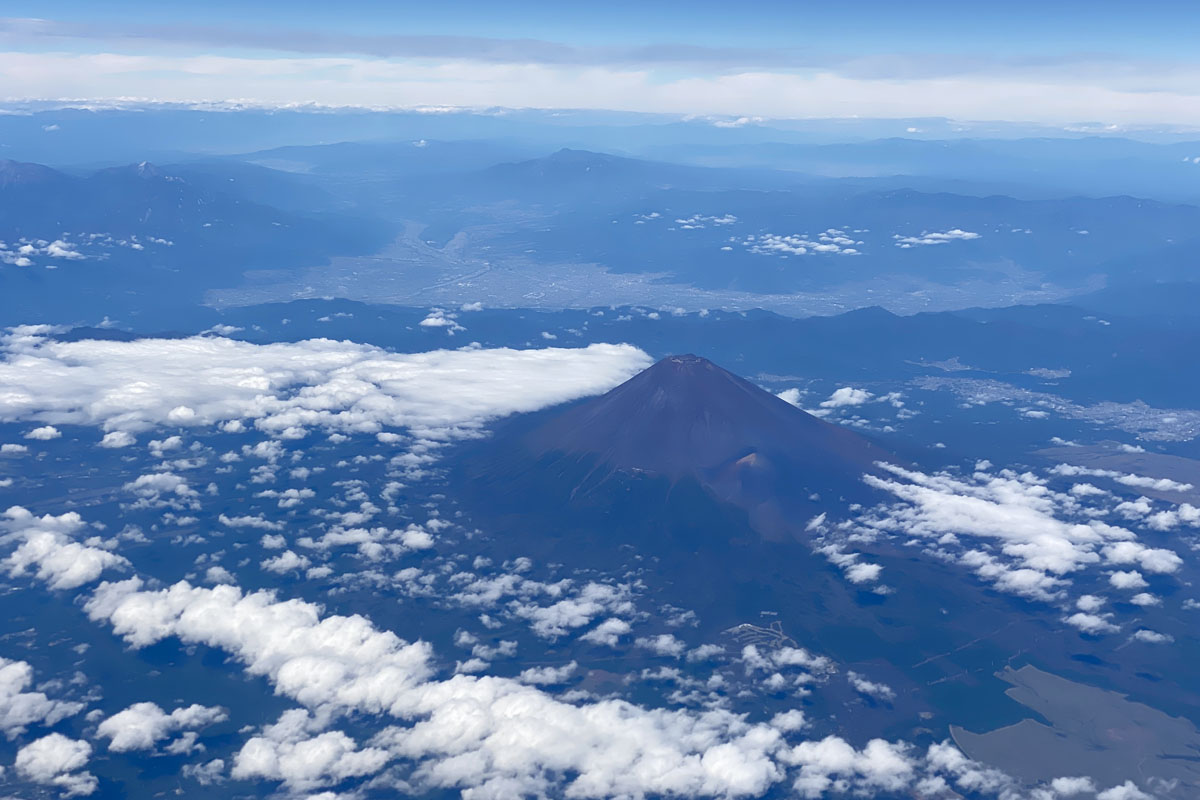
{"x":1109,"y":63}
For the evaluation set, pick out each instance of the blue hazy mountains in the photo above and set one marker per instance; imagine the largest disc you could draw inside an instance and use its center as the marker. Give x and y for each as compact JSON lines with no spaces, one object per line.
{"x":424,"y":222}
{"x":165,"y":234}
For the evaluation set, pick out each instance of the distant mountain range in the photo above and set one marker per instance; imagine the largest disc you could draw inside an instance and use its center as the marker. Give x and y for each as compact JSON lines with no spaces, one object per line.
{"x":733,"y":234}
{"x":761,"y":231}
{"x":164,"y":234}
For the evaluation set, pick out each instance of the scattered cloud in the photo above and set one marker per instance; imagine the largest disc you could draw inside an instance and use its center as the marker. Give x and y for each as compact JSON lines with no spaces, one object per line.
{"x":831,"y":241}
{"x":1011,"y":528}
{"x":57,"y":761}
{"x":846,"y":396}
{"x":20,"y":708}
{"x":47,"y":547}
{"x":873,"y":689}
{"x":143,"y":725}
{"x":933,"y":238}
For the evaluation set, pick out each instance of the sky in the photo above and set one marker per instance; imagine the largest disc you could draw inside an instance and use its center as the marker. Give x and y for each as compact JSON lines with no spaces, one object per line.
{"x":1060,"y":62}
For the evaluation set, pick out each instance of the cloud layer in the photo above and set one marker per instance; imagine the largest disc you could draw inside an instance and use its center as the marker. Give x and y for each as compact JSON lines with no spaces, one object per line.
{"x":288,"y":388}
{"x":895,"y":86}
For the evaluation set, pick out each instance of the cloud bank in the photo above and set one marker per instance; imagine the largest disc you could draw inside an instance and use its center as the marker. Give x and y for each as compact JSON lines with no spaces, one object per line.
{"x":885,"y":86}
{"x":287,"y":389}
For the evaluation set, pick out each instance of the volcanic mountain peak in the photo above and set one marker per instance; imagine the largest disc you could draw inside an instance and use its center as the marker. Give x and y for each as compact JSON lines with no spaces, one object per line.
{"x":686,"y":415}
{"x":687,"y":367}
{"x":682,"y":443}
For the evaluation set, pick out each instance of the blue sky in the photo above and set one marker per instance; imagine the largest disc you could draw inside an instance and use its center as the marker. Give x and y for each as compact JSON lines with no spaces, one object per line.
{"x":1064,"y":60}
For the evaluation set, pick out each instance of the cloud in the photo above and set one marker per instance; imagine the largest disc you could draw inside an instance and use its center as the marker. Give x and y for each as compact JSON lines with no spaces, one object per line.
{"x":863,"y":573}
{"x":946,"y":759}
{"x":163,"y":490}
{"x":143,"y":725}
{"x":701,"y":221}
{"x":664,"y":644}
{"x":1131,"y":579}
{"x":207,"y":773}
{"x":294,"y":752}
{"x":57,"y":250}
{"x":892,"y":86}
{"x":250,"y":521}
{"x":474,"y":48}
{"x":512,"y":733}
{"x":1126,"y":791}
{"x":479,"y":735}
{"x":799,"y":657}
{"x":791,"y":396}
{"x":218,"y":574}
{"x":1090,"y":623}
{"x":1184,"y":514}
{"x":46,"y":547}
{"x":544,"y":676}
{"x":55,"y":760}
{"x":788,"y":721}
{"x":1136,"y":481}
{"x":1069,"y":787}
{"x":608,"y":632}
{"x":856,"y":572}
{"x":830,"y":241}
{"x":1153,"y":560}
{"x":591,"y":601}
{"x":1026,"y":547}
{"x":19,"y":708}
{"x":285,"y":562}
{"x":117,"y":439}
{"x":286,"y":388}
{"x":879,"y":766}
{"x":870,"y":688}
{"x":933,"y":238}
{"x":846,"y":396}
{"x":442,"y":319}
{"x":936,"y":69}
{"x":159,"y":447}
{"x":44,"y":433}
{"x":705,"y":652}
{"x":372,"y":544}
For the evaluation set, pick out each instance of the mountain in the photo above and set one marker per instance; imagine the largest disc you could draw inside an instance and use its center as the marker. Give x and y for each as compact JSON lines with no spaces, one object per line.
{"x":687,"y":427}
{"x":727,"y":230}
{"x":687,"y":416}
{"x":1027,"y":167}
{"x":153,"y":233}
{"x":576,"y":165}
{"x":16,"y":174}
{"x":699,"y":486}
{"x":252,"y":183}
{"x":583,"y":176}
{"x":392,"y":159}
